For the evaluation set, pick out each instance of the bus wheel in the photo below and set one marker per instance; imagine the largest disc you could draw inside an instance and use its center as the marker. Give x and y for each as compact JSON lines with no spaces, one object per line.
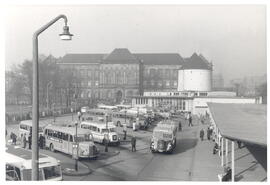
{"x":51,"y":147}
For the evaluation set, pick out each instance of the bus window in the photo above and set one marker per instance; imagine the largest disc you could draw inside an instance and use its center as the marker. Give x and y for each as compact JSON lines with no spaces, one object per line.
{"x":51,"y":172}
{"x":104,"y":130}
{"x":70,"y":138}
{"x":59,"y":135}
{"x":55,"y":134}
{"x":98,"y":129}
{"x":112,"y":130}
{"x":12,"y":173}
{"x":65,"y":137}
{"x":27,"y":174}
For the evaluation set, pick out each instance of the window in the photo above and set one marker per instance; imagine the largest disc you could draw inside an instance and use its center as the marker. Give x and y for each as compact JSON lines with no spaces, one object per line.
{"x":65,"y":137}
{"x":167,"y":83}
{"x":89,"y":83}
{"x":70,"y":138}
{"x":175,"y":83}
{"x":89,"y":73}
{"x":52,"y":172}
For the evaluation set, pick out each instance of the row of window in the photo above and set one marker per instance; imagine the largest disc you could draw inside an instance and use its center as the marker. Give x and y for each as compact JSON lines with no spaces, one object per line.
{"x":166,"y":83}
{"x":141,"y":100}
{"x":59,"y":135}
{"x":163,"y":73}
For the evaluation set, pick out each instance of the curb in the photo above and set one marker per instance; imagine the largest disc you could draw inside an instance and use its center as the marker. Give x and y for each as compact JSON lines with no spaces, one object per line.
{"x":73,"y":173}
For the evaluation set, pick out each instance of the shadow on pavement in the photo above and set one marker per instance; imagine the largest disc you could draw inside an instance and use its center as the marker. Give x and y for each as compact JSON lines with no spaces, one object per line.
{"x":183,"y":145}
{"x":259,"y":153}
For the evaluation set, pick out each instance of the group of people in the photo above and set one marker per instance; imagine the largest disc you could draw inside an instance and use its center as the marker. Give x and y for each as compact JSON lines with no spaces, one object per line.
{"x":24,"y":140}
{"x":209,"y":133}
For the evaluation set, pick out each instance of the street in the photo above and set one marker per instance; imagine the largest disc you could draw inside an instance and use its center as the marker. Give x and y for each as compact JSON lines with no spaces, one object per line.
{"x":122,"y":164}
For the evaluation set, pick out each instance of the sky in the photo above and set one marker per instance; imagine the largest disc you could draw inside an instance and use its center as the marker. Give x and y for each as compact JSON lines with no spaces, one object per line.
{"x":233,"y":37}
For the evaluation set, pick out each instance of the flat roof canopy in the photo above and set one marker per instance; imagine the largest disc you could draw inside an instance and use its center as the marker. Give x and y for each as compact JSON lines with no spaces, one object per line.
{"x":244,"y":122}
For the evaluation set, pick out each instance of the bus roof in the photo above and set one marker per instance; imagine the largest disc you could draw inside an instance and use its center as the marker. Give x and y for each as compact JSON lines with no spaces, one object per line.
{"x":98,"y":124}
{"x":98,"y":110}
{"x":68,"y":130}
{"x":107,"y":107}
{"x":42,"y":123}
{"x":22,"y":157}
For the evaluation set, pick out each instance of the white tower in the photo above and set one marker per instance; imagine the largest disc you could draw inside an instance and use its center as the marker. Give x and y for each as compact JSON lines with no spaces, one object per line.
{"x":195,"y":74}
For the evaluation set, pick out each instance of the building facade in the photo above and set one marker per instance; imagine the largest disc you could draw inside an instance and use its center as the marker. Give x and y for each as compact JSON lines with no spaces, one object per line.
{"x":117,"y":76}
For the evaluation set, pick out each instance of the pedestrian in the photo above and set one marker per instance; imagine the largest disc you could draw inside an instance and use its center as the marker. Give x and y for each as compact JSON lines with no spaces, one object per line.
{"x":30,"y":141}
{"x":24,"y":140}
{"x":239,"y":143}
{"x":190,"y":120}
{"x":202,"y":134}
{"x":14,"y":139}
{"x":125,"y":131}
{"x":180,"y":126}
{"x":208,"y":133}
{"x":134,"y":125}
{"x":133,"y":144}
{"x":40,"y":141}
{"x":215,"y":149}
{"x":79,"y":115}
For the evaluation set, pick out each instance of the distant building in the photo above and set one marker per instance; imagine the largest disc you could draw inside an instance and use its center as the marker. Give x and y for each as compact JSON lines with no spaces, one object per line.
{"x":119,"y":75}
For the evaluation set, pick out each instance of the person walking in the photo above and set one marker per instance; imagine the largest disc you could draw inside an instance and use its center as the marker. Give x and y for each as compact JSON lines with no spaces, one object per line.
{"x":208,"y":133}
{"x":79,"y":115}
{"x":24,"y":140}
{"x":180,"y":126}
{"x":125,"y":131}
{"x":14,"y":139}
{"x":190,"y":120}
{"x":133,"y":144}
{"x":41,"y":142}
{"x":202,"y":134}
{"x":30,"y":141}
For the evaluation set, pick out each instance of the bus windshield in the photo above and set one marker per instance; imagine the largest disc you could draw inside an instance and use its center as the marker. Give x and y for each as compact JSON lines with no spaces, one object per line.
{"x":82,"y":138}
{"x":52,"y":172}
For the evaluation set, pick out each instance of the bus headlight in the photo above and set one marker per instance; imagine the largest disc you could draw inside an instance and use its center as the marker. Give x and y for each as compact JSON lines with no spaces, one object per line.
{"x":169,"y":146}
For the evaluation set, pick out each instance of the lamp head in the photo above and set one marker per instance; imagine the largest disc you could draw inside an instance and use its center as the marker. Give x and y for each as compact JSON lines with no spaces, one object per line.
{"x":65,"y":35}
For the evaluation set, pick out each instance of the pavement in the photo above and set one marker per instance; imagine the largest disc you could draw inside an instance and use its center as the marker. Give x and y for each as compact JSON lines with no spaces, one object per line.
{"x":192,"y":160}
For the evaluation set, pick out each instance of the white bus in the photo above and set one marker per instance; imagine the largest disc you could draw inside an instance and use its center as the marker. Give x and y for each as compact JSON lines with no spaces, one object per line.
{"x":121,"y":118}
{"x":26,"y":125}
{"x":19,"y":166}
{"x":99,"y":132}
{"x":63,"y":140}
{"x":107,"y":107}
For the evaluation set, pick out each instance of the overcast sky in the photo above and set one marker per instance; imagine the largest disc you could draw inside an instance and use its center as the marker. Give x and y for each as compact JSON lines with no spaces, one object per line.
{"x":232,"y":37}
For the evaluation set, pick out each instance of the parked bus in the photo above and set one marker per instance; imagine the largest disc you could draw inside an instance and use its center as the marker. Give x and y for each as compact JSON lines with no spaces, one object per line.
{"x":26,"y":125}
{"x":107,"y":107}
{"x":164,"y":137}
{"x":99,"y":132}
{"x":63,"y":140}
{"x":121,"y":118}
{"x":19,"y":166}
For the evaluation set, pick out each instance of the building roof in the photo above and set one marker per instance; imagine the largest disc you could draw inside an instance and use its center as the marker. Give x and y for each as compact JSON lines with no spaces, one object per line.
{"x":120,"y":56}
{"x":123,"y":56}
{"x":196,"y":62}
{"x":244,"y":122}
{"x":160,"y":58}
{"x":81,"y":58}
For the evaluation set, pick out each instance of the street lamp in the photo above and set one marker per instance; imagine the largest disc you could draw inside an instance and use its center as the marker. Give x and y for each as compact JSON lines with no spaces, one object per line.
{"x":49,"y":84}
{"x":107,"y":133}
{"x":76,"y":144}
{"x":35,"y":109}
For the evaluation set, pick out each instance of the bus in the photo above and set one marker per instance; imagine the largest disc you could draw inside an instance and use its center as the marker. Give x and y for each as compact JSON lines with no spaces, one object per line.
{"x":63,"y":139}
{"x":121,"y":118}
{"x":164,"y":137}
{"x":107,"y":107}
{"x":97,"y":113}
{"x":26,"y":126}
{"x":19,"y":166}
{"x":99,"y":132}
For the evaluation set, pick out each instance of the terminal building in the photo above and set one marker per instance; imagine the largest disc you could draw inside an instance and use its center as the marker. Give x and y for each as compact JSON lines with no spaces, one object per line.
{"x":194,"y":90}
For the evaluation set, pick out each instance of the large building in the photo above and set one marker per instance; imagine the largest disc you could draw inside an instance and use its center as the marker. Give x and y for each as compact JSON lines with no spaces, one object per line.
{"x":121,"y":74}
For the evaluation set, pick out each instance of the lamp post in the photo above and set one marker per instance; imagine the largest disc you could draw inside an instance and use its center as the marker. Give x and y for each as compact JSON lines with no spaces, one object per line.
{"x":107,"y":134}
{"x":49,"y":84}
{"x":35,"y":109}
{"x":76,"y":141}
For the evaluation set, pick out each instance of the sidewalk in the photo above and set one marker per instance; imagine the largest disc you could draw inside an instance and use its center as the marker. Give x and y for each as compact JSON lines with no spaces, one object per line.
{"x":206,"y":166}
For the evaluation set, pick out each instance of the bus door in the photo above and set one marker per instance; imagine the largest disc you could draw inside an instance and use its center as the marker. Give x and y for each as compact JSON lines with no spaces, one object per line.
{"x":70,"y":143}
{"x":65,"y":144}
